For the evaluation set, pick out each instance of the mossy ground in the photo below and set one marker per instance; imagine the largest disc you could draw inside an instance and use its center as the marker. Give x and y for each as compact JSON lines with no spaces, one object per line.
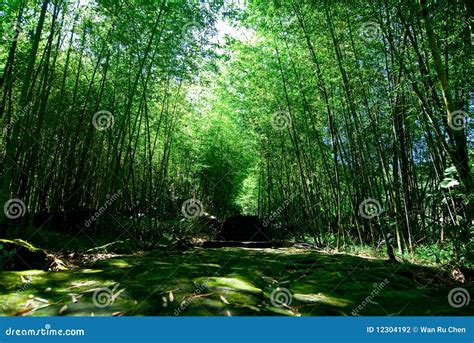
{"x":232,"y":281}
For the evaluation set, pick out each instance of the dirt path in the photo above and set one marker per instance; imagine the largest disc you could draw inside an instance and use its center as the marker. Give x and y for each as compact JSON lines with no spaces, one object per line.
{"x":233,"y":281}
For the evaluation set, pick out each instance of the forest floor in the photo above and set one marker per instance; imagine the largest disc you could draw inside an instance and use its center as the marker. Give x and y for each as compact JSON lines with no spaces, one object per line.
{"x":232,"y":282}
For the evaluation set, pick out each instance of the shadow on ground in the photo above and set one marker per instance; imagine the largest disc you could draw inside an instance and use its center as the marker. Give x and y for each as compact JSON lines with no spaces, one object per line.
{"x":232,"y":282}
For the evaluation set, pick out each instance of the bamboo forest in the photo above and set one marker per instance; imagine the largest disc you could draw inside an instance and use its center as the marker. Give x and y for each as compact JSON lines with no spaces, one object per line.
{"x":236,"y":158}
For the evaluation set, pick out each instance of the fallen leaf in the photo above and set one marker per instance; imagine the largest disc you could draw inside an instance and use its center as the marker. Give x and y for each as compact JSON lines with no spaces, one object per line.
{"x":29,"y":304}
{"x":42,"y":300}
{"x":64,"y":308}
{"x":81,"y":284}
{"x":25,"y":279}
{"x":224,"y":300}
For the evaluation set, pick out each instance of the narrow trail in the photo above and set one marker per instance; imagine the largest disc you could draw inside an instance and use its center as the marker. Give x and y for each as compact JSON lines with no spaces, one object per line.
{"x":232,"y":282}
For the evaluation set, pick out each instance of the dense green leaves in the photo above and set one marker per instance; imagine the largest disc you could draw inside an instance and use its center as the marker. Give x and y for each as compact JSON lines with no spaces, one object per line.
{"x":332,"y":121}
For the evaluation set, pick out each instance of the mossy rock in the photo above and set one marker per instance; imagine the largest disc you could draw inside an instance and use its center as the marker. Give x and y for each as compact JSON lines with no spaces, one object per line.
{"x":20,"y":255}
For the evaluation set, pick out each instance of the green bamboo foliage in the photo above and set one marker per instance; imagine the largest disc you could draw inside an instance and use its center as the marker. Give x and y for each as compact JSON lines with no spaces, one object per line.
{"x":338,"y":123}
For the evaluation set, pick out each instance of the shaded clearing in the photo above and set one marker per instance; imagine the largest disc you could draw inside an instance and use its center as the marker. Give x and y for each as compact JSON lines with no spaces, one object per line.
{"x":233,"y":281}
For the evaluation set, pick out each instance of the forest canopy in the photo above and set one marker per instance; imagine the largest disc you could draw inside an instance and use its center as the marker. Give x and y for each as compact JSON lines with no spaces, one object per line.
{"x":339,"y":123}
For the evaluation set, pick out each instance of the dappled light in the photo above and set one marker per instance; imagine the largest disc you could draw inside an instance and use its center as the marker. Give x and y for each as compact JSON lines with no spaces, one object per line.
{"x":236,"y":158}
{"x":243,"y":285}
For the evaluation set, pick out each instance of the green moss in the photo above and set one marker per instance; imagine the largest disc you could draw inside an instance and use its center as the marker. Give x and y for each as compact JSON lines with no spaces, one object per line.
{"x":232,"y":281}
{"x":229,"y":283}
{"x":19,"y":242}
{"x":322,"y":298}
